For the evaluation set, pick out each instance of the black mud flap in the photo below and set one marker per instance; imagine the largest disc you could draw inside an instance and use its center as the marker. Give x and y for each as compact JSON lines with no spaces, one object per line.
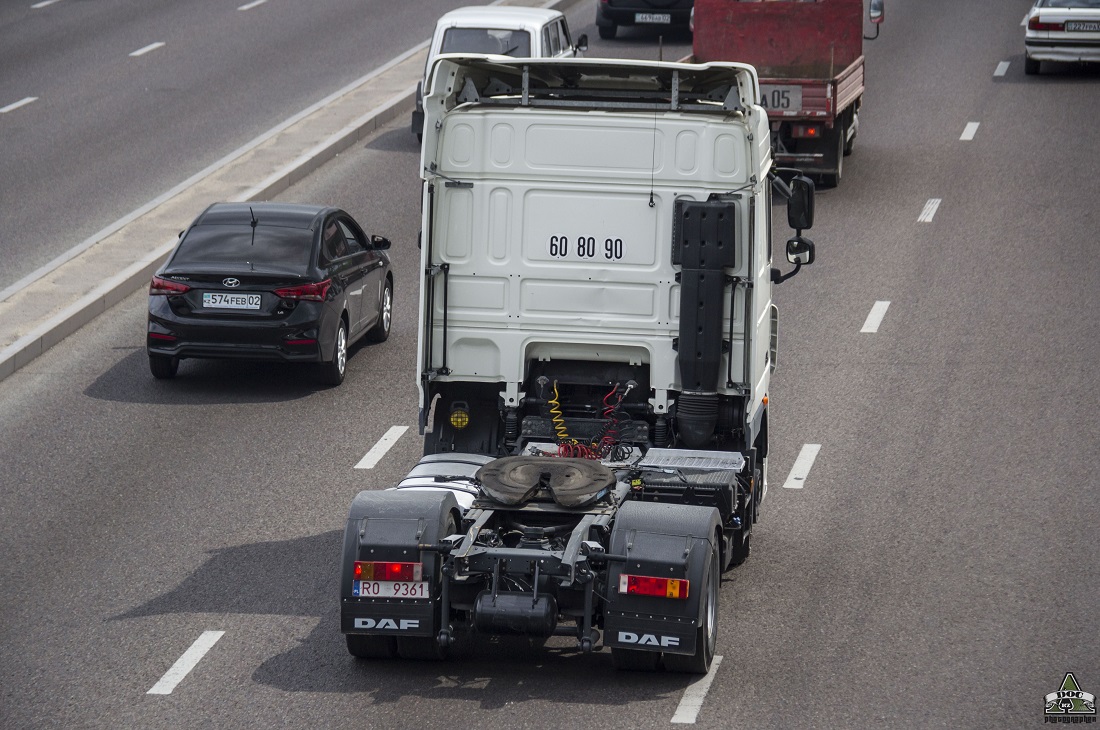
{"x":666,"y":541}
{"x":388,"y":526}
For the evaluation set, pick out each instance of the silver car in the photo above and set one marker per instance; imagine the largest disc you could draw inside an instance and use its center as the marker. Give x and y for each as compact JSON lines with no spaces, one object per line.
{"x":1062,"y":30}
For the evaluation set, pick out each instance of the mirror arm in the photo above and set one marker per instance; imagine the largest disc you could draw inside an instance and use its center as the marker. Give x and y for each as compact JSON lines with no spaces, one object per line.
{"x":779,"y":278}
{"x":872,"y":37}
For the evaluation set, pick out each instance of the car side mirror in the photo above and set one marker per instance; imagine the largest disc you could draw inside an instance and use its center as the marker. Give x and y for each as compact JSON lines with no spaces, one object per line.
{"x":877,"y":11}
{"x":800,"y":251}
{"x":800,"y":206}
{"x":380,"y":242}
{"x":582,"y":43}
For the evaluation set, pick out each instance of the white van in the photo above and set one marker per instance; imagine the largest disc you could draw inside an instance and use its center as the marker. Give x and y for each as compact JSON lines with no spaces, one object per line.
{"x":513,"y":31}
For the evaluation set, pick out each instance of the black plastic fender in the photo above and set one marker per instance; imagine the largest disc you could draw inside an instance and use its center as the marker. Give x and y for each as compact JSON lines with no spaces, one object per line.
{"x":389,"y":526}
{"x":662,"y":540}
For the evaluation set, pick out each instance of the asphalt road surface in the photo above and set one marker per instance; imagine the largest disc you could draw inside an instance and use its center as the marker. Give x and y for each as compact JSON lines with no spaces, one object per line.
{"x":936,"y":567}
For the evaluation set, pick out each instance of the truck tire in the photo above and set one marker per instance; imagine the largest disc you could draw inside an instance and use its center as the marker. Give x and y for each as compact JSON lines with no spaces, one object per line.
{"x":427,"y":648}
{"x":706,"y":638}
{"x":832,"y":179}
{"x":371,"y":647}
{"x":849,"y":142}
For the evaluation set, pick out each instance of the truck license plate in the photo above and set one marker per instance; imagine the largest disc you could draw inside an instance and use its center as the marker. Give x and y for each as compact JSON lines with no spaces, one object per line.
{"x":389,"y":589}
{"x":1087,"y":26}
{"x":223,"y":300}
{"x":652,"y":18}
{"x":776,"y":98}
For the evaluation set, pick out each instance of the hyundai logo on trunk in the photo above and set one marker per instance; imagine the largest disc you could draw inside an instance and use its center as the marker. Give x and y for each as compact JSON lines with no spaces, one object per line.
{"x":231,"y":282}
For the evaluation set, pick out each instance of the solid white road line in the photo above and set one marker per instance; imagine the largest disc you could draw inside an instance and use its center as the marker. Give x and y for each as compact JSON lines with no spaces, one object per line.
{"x":382,"y":447}
{"x":252,"y":4}
{"x":186,"y":663}
{"x":150,"y":47}
{"x":929,"y":211}
{"x":696,"y":692}
{"x":874,"y":318}
{"x":43,"y":4}
{"x":16,"y":105}
{"x":969,"y":132}
{"x":802,"y":466}
{"x":1002,"y":68}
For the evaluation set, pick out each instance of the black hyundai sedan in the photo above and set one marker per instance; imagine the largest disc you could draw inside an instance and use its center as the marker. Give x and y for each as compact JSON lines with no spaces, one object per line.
{"x":270,"y":281}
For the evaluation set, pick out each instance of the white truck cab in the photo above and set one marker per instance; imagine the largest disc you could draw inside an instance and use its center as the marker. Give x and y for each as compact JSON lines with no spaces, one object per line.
{"x":519,"y":32}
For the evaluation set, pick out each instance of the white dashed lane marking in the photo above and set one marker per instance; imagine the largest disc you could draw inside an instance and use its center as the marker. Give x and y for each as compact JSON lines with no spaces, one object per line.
{"x":16,"y":105}
{"x":801,"y":469}
{"x":382,"y":447}
{"x":1002,"y":68}
{"x":186,"y":663}
{"x":43,"y":4}
{"x":252,"y":4}
{"x":146,"y":49}
{"x":696,"y":692}
{"x":874,"y":318}
{"x":929,"y":211}
{"x":969,"y":132}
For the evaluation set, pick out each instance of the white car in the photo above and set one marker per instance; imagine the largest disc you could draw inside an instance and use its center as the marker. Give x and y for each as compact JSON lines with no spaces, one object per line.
{"x":1062,"y":30}
{"x":498,"y":30}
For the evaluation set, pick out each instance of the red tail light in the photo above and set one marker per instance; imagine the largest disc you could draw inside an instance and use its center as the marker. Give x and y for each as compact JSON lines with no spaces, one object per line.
{"x":644,"y":585}
{"x":388,"y":571}
{"x":307,"y":292}
{"x":167,"y":287}
{"x":1036,"y":24}
{"x":805,"y":131}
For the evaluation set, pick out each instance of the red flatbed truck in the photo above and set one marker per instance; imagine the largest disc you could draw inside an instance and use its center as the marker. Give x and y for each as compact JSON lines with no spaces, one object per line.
{"x":809,"y":57}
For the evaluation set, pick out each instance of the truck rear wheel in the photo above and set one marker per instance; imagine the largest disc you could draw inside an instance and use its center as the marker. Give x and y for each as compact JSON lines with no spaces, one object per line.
{"x":832,"y":179}
{"x":707,"y":633}
{"x":428,"y":648}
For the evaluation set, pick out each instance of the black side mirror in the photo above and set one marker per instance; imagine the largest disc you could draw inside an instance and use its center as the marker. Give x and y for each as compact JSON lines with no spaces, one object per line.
{"x":800,"y":206}
{"x":800,"y":251}
{"x":380,"y":242}
{"x":877,"y":11}
{"x":582,"y":43}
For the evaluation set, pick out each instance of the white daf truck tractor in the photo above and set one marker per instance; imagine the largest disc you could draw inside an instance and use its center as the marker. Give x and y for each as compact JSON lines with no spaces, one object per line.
{"x":597,"y":337}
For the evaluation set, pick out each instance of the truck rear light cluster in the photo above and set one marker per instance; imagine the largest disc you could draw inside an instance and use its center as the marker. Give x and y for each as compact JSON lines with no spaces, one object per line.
{"x":167,"y":287}
{"x":306,"y":292}
{"x":388,"y":571}
{"x":1036,"y":24}
{"x":644,"y":585}
{"x":806,"y":131}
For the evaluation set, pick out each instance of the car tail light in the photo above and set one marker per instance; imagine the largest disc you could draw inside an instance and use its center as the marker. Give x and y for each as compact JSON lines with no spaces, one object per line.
{"x":307,"y":292}
{"x":644,"y":585}
{"x":302,"y":342}
{"x":388,"y":571}
{"x":167,"y":287}
{"x":1036,"y":24}
{"x":806,"y":131}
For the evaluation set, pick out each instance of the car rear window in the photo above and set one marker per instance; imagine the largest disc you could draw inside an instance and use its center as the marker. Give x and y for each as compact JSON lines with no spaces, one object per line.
{"x":286,"y":247}
{"x":515,"y":43}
